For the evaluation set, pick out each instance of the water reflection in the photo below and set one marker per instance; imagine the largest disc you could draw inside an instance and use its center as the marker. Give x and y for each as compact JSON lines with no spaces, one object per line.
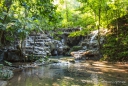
{"x":65,"y":74}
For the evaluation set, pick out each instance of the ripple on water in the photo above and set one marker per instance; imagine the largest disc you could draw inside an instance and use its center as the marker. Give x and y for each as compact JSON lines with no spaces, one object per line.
{"x":68,"y":74}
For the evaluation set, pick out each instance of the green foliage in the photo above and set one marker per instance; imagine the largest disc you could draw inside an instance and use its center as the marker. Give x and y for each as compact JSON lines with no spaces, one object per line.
{"x":19,"y":17}
{"x":41,"y":60}
{"x":1,"y":66}
{"x":6,"y":74}
{"x":8,"y":63}
{"x":76,"y":48}
{"x":82,"y":32}
{"x":115,"y":48}
{"x":59,"y":32}
{"x":46,"y":58}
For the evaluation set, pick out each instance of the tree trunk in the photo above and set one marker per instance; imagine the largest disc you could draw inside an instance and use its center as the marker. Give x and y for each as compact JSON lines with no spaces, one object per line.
{"x":8,"y":5}
{"x":99,"y":17}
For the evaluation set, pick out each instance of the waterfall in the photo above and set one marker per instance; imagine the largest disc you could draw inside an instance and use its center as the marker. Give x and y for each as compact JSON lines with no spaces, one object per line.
{"x":93,"y":36}
{"x":80,"y":28}
{"x":56,"y":49}
{"x":26,"y":42}
{"x":56,"y":52}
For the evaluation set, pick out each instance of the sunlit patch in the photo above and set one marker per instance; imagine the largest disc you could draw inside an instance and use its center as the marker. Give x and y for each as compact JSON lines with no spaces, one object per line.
{"x":77,"y":74}
{"x":19,"y":78}
{"x":69,"y":78}
{"x":119,"y":70}
{"x":55,"y":84}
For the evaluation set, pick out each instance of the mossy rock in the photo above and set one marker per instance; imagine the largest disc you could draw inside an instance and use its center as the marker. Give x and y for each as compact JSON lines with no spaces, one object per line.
{"x":76,"y":48}
{"x":6,"y":74}
{"x":1,"y":66}
{"x":53,"y":61}
{"x":84,"y":44}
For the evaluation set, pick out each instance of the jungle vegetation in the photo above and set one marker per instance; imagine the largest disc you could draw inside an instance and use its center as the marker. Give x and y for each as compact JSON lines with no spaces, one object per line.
{"x":18,"y":18}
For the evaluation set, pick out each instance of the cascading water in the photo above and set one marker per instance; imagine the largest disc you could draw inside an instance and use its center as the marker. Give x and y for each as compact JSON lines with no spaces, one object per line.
{"x":90,"y":48}
{"x":93,"y":36}
{"x":43,"y":45}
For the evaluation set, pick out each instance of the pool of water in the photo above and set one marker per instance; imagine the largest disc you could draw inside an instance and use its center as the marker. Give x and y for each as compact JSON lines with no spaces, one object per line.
{"x":68,"y":74}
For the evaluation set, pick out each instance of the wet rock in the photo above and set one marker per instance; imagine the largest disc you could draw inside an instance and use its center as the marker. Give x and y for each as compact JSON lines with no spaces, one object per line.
{"x":53,"y":61}
{"x":1,"y":55}
{"x":84,"y":43}
{"x":84,"y":54}
{"x":42,"y":45}
{"x":71,"y":60}
{"x":90,"y":52}
{"x":3,"y":83}
{"x":13,"y":55}
{"x":77,"y":54}
{"x":54,"y":66}
{"x":90,"y":45}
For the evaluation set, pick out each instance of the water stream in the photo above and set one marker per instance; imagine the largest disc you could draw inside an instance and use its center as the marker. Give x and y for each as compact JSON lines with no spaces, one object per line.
{"x":65,"y":73}
{"x":93,"y":36}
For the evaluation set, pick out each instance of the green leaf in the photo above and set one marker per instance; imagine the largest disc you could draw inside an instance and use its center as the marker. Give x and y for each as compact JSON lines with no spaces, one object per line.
{"x":9,"y":38}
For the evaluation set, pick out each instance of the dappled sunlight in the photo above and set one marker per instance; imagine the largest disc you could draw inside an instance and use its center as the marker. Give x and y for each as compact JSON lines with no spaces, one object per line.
{"x":69,"y":78}
{"x":89,"y":73}
{"x":42,"y":32}
{"x":101,"y":65}
{"x":19,"y":78}
{"x":104,"y":66}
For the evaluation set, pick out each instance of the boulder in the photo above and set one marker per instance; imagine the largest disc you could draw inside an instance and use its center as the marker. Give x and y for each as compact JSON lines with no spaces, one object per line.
{"x":1,"y":55}
{"x":3,"y":83}
{"x":90,"y":53}
{"x":13,"y":55}
{"x":82,"y":54}
{"x":77,"y":54}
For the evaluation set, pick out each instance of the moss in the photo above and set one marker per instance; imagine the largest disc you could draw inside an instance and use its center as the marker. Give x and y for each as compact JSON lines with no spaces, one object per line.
{"x":76,"y":48}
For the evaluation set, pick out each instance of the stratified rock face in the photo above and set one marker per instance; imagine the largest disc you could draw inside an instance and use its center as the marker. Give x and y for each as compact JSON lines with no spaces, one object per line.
{"x":36,"y":44}
{"x":42,"y":45}
{"x":69,"y":41}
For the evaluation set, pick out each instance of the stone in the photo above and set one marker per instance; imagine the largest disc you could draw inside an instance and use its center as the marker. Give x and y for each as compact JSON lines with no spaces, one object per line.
{"x":43,"y":44}
{"x":3,"y":83}
{"x":13,"y":55}
{"x":90,"y":53}
{"x":77,"y":54}
{"x":1,"y":55}
{"x":83,"y":54}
